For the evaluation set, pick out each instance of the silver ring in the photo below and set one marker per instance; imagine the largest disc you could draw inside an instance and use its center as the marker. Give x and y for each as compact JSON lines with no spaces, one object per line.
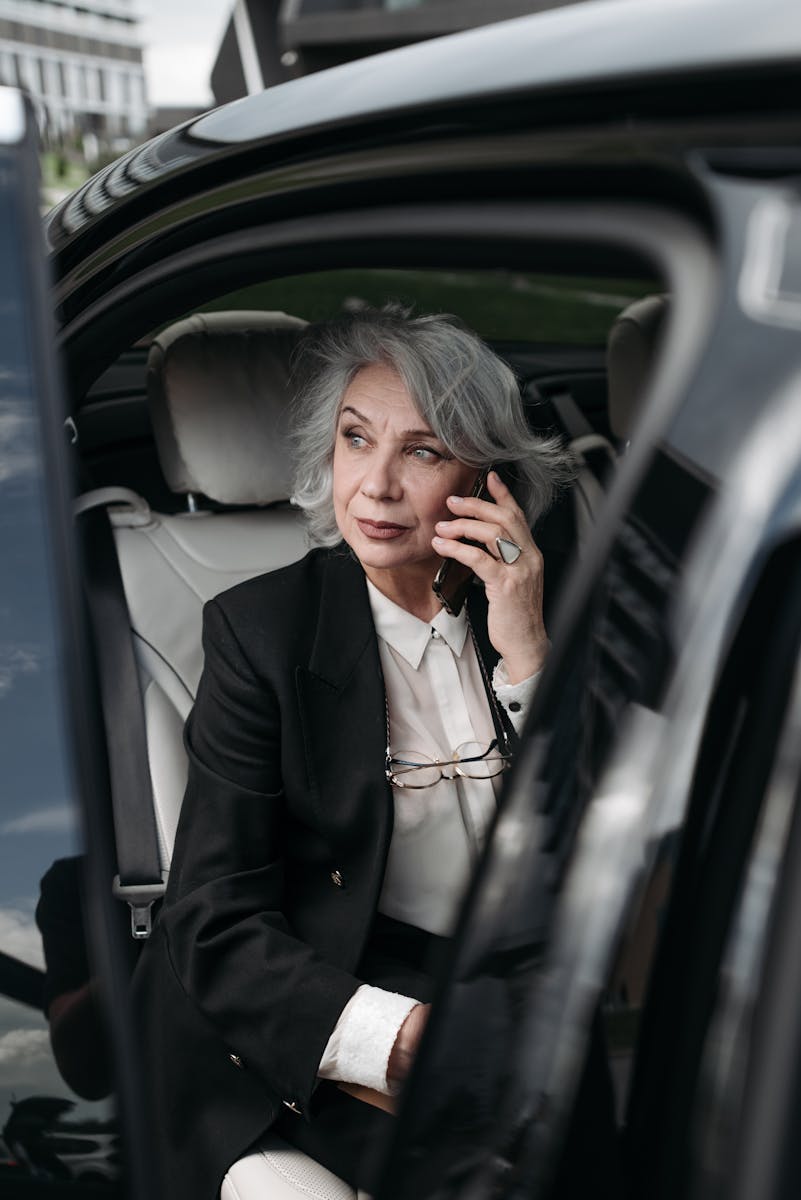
{"x":508,"y":550}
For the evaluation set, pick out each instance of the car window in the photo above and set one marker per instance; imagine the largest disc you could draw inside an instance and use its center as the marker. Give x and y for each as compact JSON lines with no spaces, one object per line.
{"x":739,"y":774}
{"x":552,"y":329}
{"x":611,"y":676}
{"x":506,"y":306}
{"x":57,"y":1123}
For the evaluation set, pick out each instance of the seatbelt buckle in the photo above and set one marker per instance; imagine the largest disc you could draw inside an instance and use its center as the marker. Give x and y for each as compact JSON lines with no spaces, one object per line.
{"x":140,"y":898}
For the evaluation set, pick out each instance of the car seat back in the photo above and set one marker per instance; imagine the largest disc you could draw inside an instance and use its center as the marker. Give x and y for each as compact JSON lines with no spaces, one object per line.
{"x":632,"y":344}
{"x":218,"y":390}
{"x":631,"y":350}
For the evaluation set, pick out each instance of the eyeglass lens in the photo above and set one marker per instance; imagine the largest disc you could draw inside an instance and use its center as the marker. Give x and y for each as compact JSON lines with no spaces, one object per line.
{"x":471,"y":760}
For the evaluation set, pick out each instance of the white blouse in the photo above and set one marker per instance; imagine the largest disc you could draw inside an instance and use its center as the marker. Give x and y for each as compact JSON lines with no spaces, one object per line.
{"x":436,"y":702}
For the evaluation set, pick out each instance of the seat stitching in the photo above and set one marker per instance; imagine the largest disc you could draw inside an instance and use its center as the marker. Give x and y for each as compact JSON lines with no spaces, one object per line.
{"x":170,"y":666}
{"x":268,"y":1156}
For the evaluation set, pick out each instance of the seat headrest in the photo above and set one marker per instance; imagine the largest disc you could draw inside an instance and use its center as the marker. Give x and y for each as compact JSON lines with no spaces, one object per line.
{"x":630,"y":352}
{"x":218,"y":389}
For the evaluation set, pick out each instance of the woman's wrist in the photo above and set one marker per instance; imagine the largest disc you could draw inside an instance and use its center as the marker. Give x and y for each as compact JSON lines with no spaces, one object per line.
{"x":522,"y":665}
{"x":406,"y":1043}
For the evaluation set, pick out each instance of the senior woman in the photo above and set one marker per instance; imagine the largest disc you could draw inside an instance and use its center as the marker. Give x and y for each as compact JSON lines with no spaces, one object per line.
{"x":317,"y":868}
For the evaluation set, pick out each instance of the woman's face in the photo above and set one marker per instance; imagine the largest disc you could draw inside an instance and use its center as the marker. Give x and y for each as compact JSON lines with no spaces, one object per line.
{"x":392,"y":476}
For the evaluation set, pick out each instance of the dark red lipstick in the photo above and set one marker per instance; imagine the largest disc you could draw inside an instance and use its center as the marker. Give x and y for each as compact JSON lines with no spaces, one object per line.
{"x":380,"y":530}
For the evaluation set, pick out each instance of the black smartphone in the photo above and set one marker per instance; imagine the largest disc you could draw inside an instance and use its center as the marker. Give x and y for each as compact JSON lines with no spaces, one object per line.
{"x":453,"y":578}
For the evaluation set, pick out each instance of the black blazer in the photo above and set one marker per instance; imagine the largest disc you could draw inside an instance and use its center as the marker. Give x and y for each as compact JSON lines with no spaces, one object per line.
{"x":278,"y":863}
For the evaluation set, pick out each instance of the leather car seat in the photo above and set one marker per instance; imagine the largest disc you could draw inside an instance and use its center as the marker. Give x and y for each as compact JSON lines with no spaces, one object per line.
{"x":631,"y":348}
{"x":218,"y":391}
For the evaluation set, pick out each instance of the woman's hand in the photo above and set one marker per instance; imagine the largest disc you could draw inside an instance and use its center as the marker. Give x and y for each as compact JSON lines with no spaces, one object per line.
{"x":514,"y":590}
{"x":406,"y":1044}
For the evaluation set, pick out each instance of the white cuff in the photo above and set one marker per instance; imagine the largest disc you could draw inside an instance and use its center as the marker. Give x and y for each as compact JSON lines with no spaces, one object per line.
{"x":359,"y":1048}
{"x":515,"y":697}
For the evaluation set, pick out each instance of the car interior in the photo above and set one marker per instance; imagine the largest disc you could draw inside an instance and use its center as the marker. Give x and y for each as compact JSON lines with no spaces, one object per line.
{"x":186,"y":442}
{"x":182,"y":444}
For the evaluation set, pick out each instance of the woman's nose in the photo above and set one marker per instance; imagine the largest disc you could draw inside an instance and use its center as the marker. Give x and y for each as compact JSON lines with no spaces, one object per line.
{"x":381,"y":481}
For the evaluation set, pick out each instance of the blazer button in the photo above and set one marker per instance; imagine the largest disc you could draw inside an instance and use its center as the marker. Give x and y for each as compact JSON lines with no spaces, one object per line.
{"x":237,"y":1061}
{"x":337,"y":879}
{"x":292,"y":1106}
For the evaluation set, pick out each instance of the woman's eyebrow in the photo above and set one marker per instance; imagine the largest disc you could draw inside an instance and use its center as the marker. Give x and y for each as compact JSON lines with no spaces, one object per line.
{"x":348,"y":408}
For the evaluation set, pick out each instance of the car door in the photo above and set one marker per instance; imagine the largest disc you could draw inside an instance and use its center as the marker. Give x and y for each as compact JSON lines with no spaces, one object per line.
{"x":609,"y":952}
{"x":58,"y":1119}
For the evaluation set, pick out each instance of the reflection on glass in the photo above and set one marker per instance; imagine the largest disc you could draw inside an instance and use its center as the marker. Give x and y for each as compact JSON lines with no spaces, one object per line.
{"x":47,"y":1129}
{"x":527,"y":1055}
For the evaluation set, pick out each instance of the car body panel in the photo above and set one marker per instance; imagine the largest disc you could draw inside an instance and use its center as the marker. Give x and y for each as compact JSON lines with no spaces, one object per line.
{"x":586,"y":47}
{"x":556,"y":69}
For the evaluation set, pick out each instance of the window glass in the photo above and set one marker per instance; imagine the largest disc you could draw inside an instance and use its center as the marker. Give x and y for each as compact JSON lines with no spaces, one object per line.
{"x":736,"y":762}
{"x":500,"y":305}
{"x":507,"y":1100}
{"x":552,"y":329}
{"x":53,"y":1129}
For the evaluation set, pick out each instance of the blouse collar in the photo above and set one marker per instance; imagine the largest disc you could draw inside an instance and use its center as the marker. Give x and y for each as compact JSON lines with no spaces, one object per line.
{"x":407,"y":634}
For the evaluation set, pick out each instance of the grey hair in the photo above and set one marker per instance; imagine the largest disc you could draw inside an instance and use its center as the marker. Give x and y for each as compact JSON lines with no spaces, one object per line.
{"x":466,"y":393}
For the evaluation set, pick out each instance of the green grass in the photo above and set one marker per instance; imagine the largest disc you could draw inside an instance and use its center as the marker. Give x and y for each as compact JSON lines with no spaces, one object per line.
{"x":61,"y":172}
{"x":500,"y":305}
{"x":60,"y":176}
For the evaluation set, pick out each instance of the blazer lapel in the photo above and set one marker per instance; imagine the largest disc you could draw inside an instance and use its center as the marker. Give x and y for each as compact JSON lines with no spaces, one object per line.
{"x":341,"y":698}
{"x":342,"y":704}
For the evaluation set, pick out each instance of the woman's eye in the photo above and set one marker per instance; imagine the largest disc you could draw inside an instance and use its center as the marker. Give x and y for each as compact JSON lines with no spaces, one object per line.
{"x":424,"y":453}
{"x":356,"y":440}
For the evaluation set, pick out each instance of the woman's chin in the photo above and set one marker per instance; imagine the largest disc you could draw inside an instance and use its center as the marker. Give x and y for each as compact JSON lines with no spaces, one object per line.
{"x":386,"y":557}
{"x":418,"y":572}
{"x":391,"y":555}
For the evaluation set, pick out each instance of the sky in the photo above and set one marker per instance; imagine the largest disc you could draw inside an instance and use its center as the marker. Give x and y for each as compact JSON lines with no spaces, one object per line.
{"x":180,"y":50}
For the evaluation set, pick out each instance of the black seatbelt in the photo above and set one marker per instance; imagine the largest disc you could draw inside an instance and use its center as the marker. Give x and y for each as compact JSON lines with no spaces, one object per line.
{"x":574,"y":423}
{"x":596,"y":451}
{"x":140,"y":881}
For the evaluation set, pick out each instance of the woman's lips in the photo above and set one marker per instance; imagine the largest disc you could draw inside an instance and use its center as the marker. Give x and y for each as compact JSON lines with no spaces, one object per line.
{"x":381,"y":530}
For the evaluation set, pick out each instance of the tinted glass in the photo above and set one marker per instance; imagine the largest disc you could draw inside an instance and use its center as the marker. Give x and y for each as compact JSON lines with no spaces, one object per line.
{"x":51,"y":1129}
{"x":739,"y":774}
{"x":523,"y":1057}
{"x":499,"y":305}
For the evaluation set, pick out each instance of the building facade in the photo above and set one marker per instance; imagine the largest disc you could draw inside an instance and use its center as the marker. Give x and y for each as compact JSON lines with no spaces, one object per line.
{"x":81,"y":63}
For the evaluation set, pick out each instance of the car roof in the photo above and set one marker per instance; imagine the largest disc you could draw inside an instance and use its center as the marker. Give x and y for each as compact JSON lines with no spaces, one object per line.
{"x":592,"y":42}
{"x":590,"y":45}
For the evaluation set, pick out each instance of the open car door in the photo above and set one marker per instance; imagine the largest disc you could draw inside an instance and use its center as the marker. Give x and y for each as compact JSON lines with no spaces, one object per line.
{"x":59,"y":1126}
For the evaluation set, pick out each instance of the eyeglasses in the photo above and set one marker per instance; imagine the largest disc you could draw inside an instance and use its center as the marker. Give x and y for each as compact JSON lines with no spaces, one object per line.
{"x":471,"y":760}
